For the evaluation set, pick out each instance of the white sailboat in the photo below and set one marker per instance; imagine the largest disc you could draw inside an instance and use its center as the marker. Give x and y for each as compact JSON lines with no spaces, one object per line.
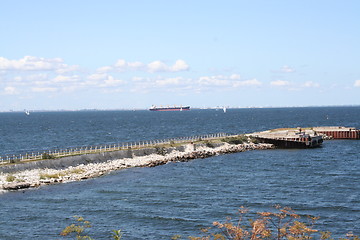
{"x":224,"y":109}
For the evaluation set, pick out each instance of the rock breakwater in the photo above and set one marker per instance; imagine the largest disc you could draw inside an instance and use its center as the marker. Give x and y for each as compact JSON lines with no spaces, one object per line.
{"x":37,"y":177}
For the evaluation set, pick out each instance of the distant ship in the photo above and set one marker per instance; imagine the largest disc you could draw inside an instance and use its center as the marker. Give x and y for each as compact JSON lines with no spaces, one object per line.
{"x":174,"y":108}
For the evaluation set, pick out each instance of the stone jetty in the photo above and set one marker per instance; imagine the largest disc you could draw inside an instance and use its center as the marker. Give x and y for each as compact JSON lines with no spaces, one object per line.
{"x":42,"y":176}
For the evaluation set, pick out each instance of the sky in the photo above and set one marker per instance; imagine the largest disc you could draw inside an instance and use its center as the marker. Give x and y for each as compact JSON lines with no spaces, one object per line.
{"x":117,"y":54}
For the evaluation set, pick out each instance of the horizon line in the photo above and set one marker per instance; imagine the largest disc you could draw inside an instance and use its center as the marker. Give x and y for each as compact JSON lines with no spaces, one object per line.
{"x":196,"y":107}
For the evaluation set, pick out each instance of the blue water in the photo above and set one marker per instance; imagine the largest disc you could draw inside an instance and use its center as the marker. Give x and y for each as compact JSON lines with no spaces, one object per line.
{"x":181,"y":198}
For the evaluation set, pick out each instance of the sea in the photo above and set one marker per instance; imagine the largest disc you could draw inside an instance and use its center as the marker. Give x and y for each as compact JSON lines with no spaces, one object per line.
{"x":182,"y":198}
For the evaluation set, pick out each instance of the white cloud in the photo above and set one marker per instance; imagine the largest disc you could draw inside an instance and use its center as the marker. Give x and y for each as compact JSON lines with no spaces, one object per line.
{"x":41,"y":83}
{"x":110,"y":81}
{"x":37,"y":77}
{"x":294,"y":87}
{"x":136,"y":65}
{"x":10,"y":90}
{"x":179,"y":65}
{"x":105,"y":69}
{"x":111,"y":90}
{"x":66,"y":69}
{"x":235,"y":77}
{"x":138,"y":79}
{"x":70,"y":88}
{"x":103,"y":80}
{"x":122,"y":66}
{"x":30,"y":63}
{"x":18,"y":78}
{"x":228,"y":81}
{"x":62,"y":79}
{"x":97,"y":76}
{"x":280,"y":83}
{"x":217,"y":80}
{"x":357,"y":83}
{"x":251,"y":82}
{"x":44,"y":89}
{"x":287,"y":69}
{"x":120,"y":63}
{"x":169,"y":81}
{"x":148,"y":84}
{"x":310,"y":84}
{"x":157,"y":66}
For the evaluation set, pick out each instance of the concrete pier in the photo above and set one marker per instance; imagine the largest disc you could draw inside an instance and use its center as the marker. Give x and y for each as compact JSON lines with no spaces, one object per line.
{"x":290,"y":137}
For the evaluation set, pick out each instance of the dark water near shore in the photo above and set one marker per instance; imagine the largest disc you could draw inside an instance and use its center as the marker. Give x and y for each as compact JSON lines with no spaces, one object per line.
{"x":181,"y":198}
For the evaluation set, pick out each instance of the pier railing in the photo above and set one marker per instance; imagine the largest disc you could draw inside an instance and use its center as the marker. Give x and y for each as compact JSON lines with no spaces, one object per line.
{"x":71,"y":151}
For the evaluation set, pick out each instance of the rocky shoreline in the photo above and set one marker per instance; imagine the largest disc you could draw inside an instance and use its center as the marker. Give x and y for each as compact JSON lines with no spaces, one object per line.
{"x":38,"y":177}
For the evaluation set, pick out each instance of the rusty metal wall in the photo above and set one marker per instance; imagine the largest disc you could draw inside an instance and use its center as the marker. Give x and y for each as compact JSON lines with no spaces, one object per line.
{"x":351,"y":134}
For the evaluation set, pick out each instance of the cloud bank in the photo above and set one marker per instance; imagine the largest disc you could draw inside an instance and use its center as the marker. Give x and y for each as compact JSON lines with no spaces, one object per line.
{"x":30,"y":63}
{"x":31,"y":77}
{"x":156,"y":66}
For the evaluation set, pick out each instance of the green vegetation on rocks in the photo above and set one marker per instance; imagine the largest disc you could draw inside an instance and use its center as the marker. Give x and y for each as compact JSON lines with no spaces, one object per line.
{"x":47,"y":156}
{"x":10,"y":178}
{"x":239,"y":139}
{"x":49,"y":175}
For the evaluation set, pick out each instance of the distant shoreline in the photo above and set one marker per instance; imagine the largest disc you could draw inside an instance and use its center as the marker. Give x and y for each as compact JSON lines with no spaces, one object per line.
{"x":192,"y":108}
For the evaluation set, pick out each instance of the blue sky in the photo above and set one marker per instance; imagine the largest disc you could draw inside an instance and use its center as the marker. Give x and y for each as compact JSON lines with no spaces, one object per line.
{"x":133,"y":54}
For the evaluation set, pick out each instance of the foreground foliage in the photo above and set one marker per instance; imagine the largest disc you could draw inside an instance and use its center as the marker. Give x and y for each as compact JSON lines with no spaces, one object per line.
{"x":281,"y":224}
{"x":77,"y":230}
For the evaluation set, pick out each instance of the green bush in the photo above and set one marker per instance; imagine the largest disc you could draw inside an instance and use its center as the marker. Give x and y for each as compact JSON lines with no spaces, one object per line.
{"x":47,"y":156}
{"x":48,"y":175}
{"x":15,"y":160}
{"x":240,"y":139}
{"x":78,"y":230}
{"x":209,"y":144}
{"x":10,"y":178}
{"x":254,"y":140}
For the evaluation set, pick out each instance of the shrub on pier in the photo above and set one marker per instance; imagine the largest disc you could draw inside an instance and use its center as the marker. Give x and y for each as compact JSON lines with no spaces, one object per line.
{"x":240,"y":139}
{"x":47,"y":156}
{"x":254,"y":140}
{"x":209,"y":144}
{"x":16,"y":160}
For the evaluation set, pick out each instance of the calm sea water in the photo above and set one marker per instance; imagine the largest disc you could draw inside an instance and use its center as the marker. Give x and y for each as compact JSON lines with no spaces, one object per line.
{"x":181,"y":198}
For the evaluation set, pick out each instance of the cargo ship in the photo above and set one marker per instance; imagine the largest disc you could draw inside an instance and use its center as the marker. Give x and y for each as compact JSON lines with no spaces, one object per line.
{"x":168,"y":108}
